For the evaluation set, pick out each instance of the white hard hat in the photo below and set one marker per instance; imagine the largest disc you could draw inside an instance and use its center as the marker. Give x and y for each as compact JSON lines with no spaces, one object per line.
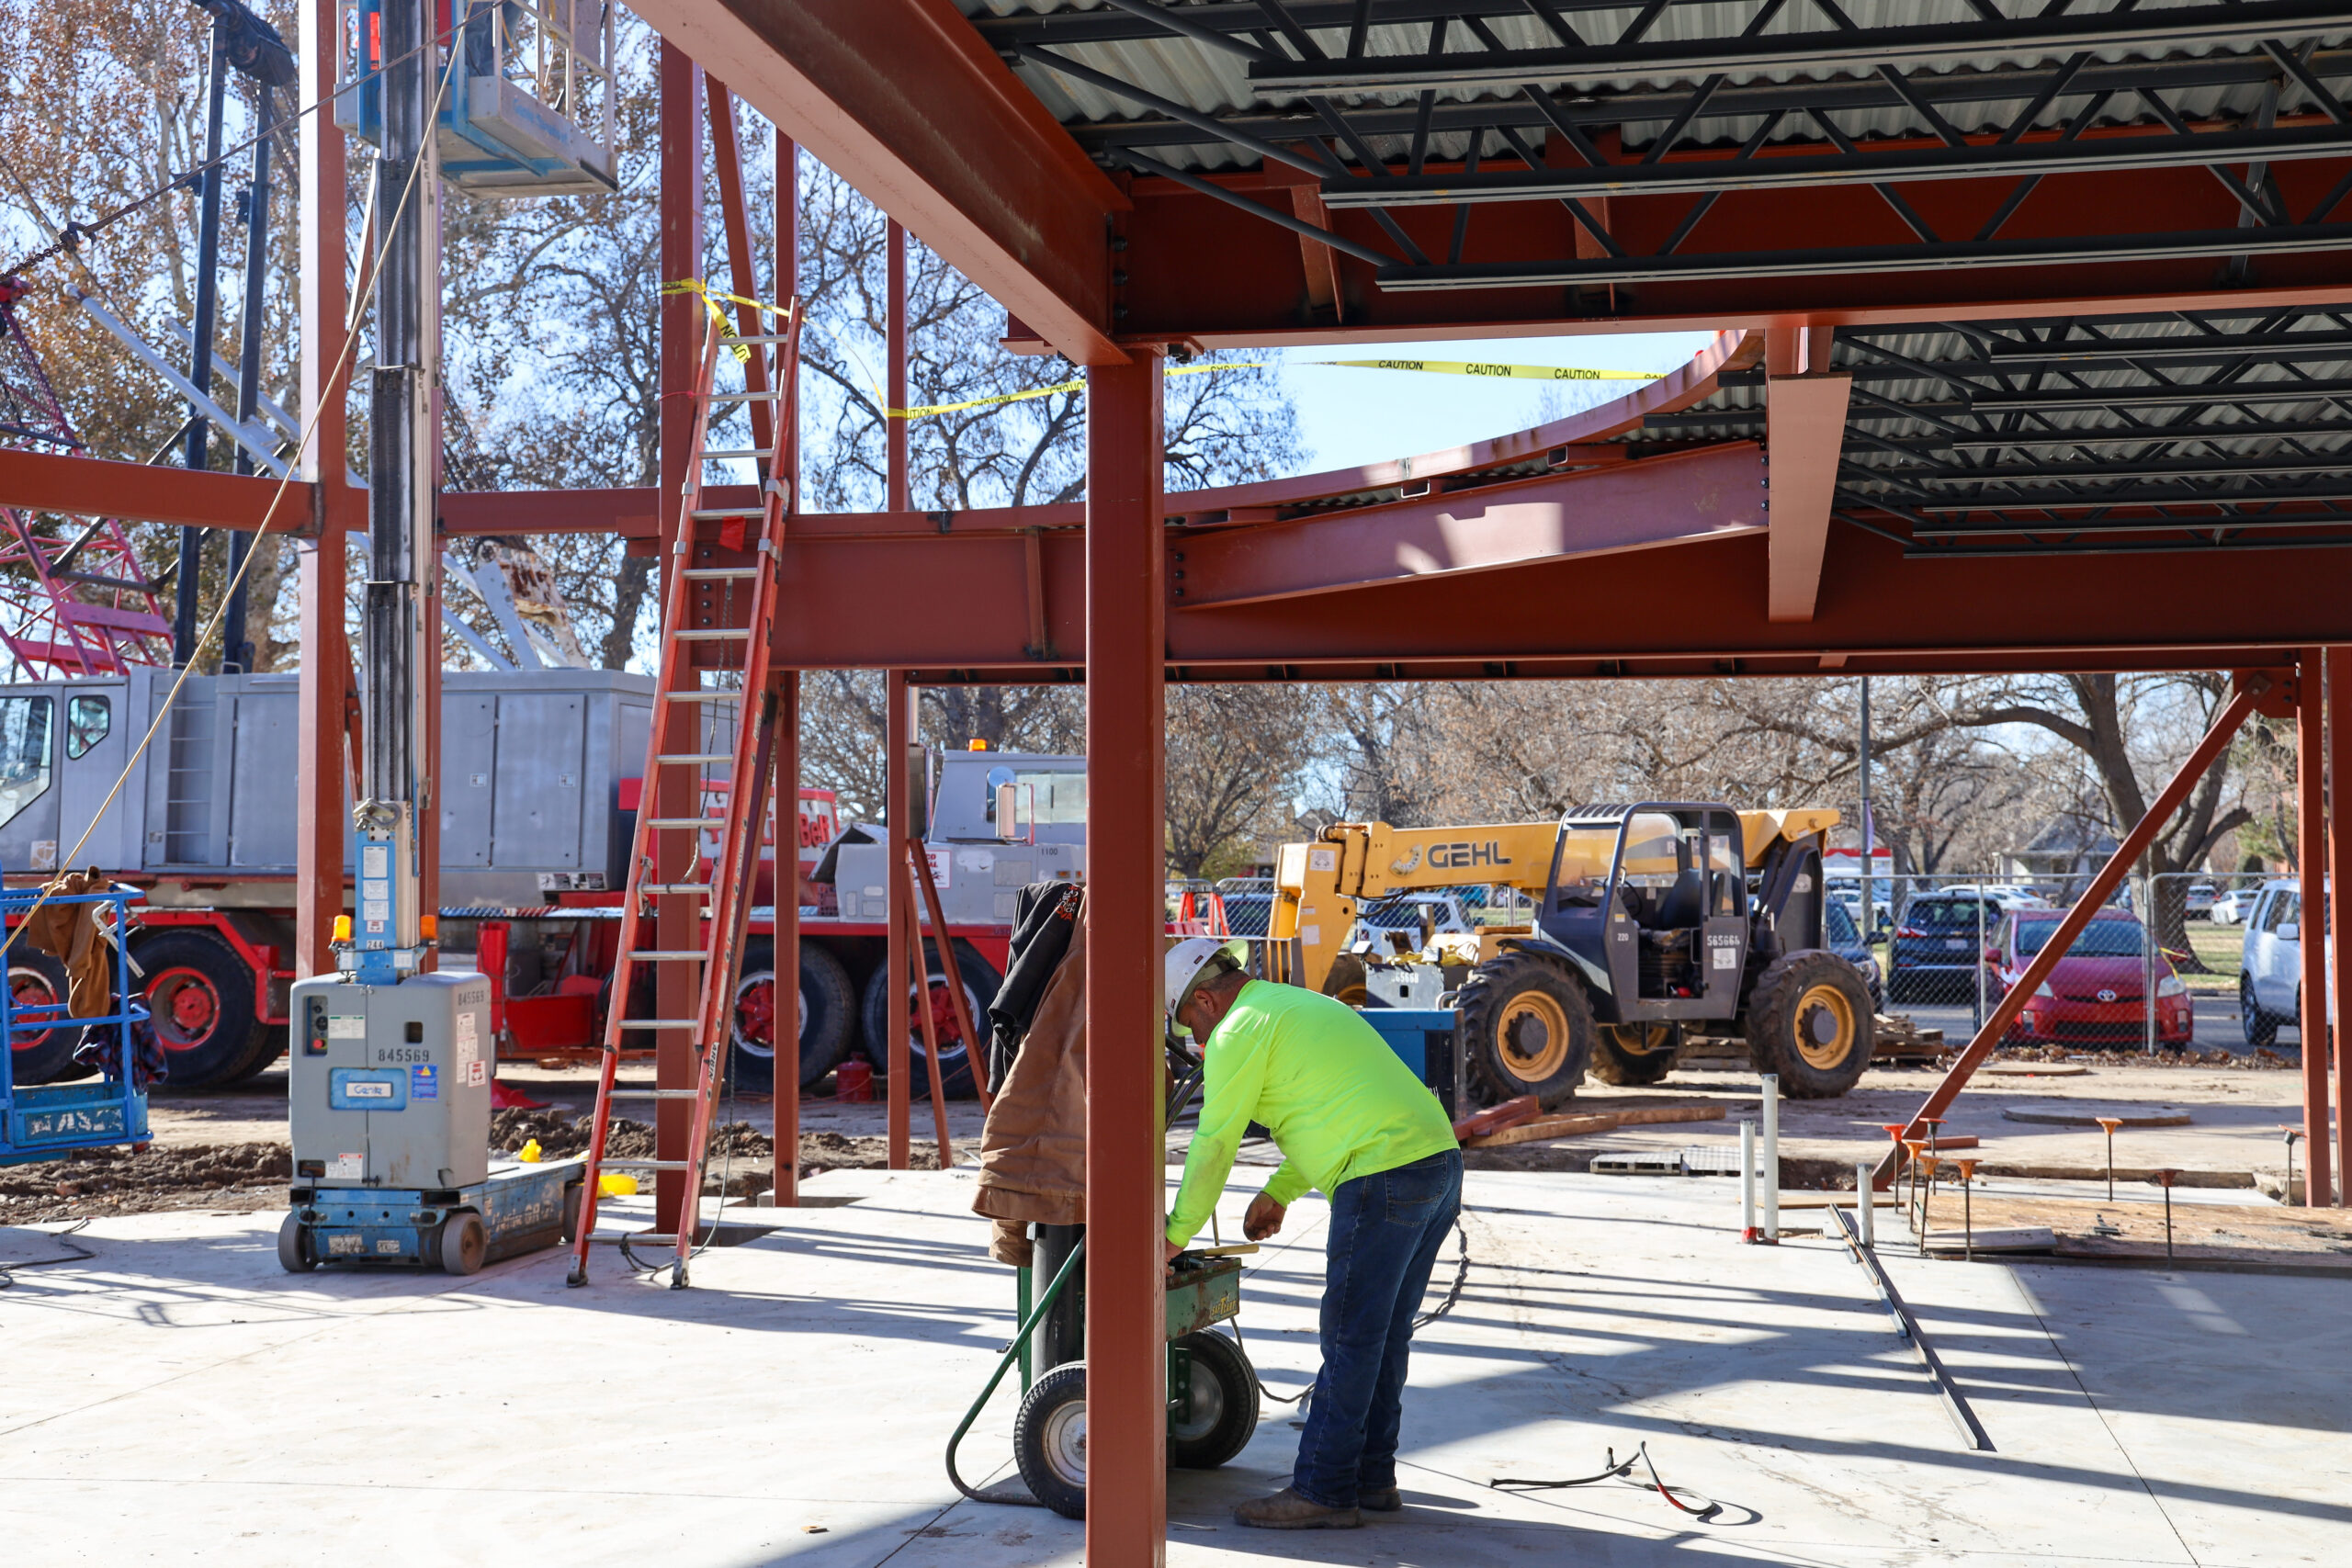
{"x":1189,"y":961}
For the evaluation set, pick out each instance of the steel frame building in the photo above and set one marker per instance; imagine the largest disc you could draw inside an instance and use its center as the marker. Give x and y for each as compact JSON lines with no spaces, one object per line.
{"x":1990,"y":280}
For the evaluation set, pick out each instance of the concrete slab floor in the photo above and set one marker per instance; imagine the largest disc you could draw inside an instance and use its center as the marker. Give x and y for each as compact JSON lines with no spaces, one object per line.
{"x":176,"y":1398}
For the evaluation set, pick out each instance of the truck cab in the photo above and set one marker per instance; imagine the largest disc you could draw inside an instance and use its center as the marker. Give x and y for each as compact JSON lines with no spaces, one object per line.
{"x":2271,"y":967}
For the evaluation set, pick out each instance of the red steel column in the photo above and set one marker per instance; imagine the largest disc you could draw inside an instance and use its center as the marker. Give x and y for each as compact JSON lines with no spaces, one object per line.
{"x":677,"y":919}
{"x":787,"y":754}
{"x":1126,"y":1476}
{"x":894,"y":426}
{"x":898,"y":740}
{"x":2311,"y":861}
{"x":788,"y":942}
{"x":2339,"y":879}
{"x":318,"y":731}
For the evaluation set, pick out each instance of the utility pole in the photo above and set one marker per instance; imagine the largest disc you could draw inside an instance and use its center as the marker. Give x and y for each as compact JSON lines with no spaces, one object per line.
{"x":1870,"y":888}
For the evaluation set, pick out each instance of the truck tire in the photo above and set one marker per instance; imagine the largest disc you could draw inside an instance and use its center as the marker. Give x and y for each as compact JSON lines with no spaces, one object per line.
{"x":1221,"y":1416}
{"x":828,"y":1003}
{"x":265,"y":1059}
{"x":1049,"y":1440}
{"x":1525,"y":1025}
{"x":1809,"y":1020}
{"x":45,"y":1055}
{"x":1634,"y":1053}
{"x":202,"y":997}
{"x":980,"y":981}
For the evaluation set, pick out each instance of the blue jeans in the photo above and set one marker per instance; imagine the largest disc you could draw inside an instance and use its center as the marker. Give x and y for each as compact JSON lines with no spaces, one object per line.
{"x":1385,"y":1230}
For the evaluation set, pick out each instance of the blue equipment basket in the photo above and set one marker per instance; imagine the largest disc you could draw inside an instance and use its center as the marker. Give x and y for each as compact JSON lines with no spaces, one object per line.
{"x":41,"y":1122}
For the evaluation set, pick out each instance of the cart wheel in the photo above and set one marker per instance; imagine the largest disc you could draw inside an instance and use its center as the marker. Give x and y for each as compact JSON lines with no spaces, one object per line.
{"x":463,"y":1242}
{"x":1221,"y":1416}
{"x":571,"y":1214}
{"x":1049,"y":1441}
{"x":294,"y":1254}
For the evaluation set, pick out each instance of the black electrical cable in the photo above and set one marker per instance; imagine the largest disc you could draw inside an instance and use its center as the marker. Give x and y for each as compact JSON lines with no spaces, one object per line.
{"x":70,"y":237}
{"x":1620,"y":1471}
{"x":75,"y":1253}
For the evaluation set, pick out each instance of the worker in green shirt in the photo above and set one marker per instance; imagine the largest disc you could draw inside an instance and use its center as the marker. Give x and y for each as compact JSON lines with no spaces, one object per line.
{"x":1352,"y":1121}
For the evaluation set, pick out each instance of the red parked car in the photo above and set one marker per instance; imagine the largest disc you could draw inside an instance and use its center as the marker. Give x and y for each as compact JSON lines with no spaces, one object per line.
{"x":2095,"y":995}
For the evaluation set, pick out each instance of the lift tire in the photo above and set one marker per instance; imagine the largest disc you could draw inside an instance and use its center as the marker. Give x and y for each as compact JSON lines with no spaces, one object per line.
{"x":201,"y":995}
{"x":571,"y":1200}
{"x":828,"y":1009}
{"x":980,"y":981}
{"x":2261,"y":1028}
{"x":294,"y":1254}
{"x":1634,"y":1053}
{"x":1049,"y":1440}
{"x":37,"y":978}
{"x":464,"y":1243}
{"x":1345,"y":983}
{"x":1222,"y":1414}
{"x":1809,"y":1020}
{"x":1526,"y":1026}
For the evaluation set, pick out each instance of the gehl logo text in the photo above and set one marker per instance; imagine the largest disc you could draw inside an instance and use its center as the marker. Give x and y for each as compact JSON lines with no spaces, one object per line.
{"x":1467,"y":853}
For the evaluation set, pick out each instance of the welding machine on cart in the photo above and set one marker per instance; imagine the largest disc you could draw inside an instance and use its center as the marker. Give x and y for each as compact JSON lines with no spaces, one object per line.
{"x":41,"y":1122}
{"x":1211,"y":1388}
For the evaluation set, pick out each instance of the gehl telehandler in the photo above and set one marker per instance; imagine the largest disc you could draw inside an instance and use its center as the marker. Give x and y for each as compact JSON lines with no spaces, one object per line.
{"x":1648,"y":919}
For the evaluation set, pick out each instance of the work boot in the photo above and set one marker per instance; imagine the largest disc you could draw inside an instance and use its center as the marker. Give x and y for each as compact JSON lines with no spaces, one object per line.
{"x":1381,"y":1500}
{"x":1287,"y":1510}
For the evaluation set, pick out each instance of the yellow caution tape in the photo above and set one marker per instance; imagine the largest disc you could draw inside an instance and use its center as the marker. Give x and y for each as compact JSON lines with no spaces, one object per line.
{"x":711,"y":297}
{"x":1500,"y":372}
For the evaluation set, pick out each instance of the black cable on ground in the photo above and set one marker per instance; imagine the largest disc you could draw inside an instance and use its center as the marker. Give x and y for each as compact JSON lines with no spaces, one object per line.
{"x":1623,"y":1472}
{"x":1460,"y":1277}
{"x":75,"y":1253}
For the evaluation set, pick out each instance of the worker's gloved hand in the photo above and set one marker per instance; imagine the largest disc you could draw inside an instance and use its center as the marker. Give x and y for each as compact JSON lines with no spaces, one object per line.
{"x":1263,"y":1219}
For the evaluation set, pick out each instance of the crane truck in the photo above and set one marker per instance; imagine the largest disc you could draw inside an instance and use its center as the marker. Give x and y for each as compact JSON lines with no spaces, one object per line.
{"x":1647,"y":919}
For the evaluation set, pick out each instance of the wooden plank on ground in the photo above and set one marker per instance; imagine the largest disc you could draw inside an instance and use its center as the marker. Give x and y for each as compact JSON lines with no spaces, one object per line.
{"x":1597,"y":1122}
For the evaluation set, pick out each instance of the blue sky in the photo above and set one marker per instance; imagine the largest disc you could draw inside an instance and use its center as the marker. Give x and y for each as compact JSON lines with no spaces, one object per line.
{"x":1350,"y":416}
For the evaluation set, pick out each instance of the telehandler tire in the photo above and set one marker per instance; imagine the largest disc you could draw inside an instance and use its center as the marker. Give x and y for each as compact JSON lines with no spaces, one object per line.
{"x":1634,"y":1053}
{"x":1345,"y":983}
{"x":1809,"y":1019}
{"x":1526,"y":1026}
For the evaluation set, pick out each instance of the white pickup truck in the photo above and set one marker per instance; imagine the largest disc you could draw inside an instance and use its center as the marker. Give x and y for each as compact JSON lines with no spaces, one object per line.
{"x":2270,"y":970}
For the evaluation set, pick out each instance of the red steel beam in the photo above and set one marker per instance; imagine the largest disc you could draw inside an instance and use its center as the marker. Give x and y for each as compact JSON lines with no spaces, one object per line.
{"x":2339,"y":879}
{"x":1126,"y":1472}
{"x":904,"y":101}
{"x":95,"y":487}
{"x":785,"y":1192}
{"x":1199,"y":269}
{"x":1805,"y":432}
{"x":2107,"y":879}
{"x":742,"y":272}
{"x":2311,"y":867}
{"x":894,"y":424}
{"x":1582,"y":515}
{"x":1879,"y":611}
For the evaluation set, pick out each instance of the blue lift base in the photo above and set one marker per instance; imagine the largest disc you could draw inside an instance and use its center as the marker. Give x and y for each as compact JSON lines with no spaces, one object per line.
{"x":522,"y":1208}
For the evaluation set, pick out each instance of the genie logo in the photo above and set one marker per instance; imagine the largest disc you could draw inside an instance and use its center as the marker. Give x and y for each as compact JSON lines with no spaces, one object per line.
{"x":1467,"y":853}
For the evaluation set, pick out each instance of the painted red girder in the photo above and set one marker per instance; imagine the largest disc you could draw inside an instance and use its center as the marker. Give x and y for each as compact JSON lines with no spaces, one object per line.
{"x":1200,"y":270}
{"x":902,"y":99}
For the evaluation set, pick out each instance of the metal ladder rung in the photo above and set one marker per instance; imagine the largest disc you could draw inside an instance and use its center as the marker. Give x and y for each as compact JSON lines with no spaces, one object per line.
{"x":661,"y":888}
{"x":686,"y":821}
{"x":682,"y":759}
{"x":667,"y":955}
{"x":702,"y":696}
{"x":771,"y":395}
{"x":716,"y":634}
{"x":731,"y":453}
{"x":647,"y":1164}
{"x":703,"y":573}
{"x":761,"y":337}
{"x":661,"y":1023}
{"x":653,"y":1094}
{"x":705,"y":514}
{"x":637,"y":1239}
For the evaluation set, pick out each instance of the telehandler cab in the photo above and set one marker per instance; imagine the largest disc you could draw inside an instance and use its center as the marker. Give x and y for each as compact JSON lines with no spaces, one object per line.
{"x":1648,"y":919}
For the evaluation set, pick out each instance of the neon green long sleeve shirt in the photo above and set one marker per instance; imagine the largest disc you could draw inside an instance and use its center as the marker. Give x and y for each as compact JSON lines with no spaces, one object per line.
{"x":1339,"y":1103}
